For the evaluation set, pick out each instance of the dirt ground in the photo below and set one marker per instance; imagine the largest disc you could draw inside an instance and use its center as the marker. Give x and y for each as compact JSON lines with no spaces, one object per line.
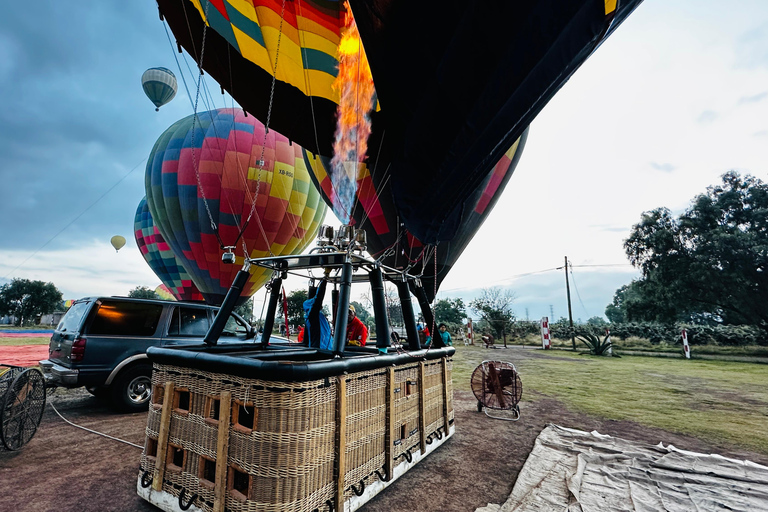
{"x":67,"y":469}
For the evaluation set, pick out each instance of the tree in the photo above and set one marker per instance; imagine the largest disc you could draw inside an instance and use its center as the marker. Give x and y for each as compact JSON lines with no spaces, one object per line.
{"x":361,"y":312}
{"x":392,"y":301}
{"x":495,"y":307}
{"x":143,"y":292}
{"x":245,"y":310}
{"x":28,"y":300}
{"x":450,"y":311}
{"x":296,"y":307}
{"x":597,"y":321}
{"x":709,"y":265}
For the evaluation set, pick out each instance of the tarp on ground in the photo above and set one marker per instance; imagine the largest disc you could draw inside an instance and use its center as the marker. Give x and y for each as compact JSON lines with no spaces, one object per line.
{"x":23,"y":355}
{"x":575,"y":471}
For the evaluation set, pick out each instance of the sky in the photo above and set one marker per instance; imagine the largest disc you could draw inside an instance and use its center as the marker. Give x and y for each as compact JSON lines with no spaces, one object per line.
{"x":676,"y":97}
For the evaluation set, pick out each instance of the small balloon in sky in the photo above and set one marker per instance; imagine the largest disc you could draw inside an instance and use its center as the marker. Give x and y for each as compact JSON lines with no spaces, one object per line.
{"x":117,"y":242}
{"x":159,"y":85}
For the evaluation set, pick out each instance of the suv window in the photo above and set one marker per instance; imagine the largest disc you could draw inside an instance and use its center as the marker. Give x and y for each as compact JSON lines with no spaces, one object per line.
{"x":73,"y":319}
{"x":189,"y":322}
{"x":126,"y":319}
{"x":234,"y":327}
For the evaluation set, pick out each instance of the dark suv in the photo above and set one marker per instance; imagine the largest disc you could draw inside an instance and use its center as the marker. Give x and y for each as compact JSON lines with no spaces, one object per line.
{"x":101,"y":343}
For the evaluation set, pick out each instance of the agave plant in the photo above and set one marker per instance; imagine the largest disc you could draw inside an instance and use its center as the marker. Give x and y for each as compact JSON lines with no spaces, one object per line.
{"x":595,"y":345}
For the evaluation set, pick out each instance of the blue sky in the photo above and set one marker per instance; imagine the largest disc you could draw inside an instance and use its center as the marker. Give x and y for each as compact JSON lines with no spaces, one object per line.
{"x":675,"y":98}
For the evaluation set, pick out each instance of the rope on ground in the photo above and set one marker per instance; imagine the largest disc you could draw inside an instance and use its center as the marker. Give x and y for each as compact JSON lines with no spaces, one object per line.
{"x":94,"y":431}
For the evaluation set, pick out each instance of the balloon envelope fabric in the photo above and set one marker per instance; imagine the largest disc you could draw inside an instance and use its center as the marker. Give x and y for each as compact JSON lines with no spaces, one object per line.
{"x":457,"y":82}
{"x":392,"y":242}
{"x":158,"y":255}
{"x":202,"y":177}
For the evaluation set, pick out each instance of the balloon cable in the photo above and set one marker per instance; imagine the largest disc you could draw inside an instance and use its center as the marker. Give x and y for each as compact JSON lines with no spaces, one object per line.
{"x":195,"y":166}
{"x":266,"y":132}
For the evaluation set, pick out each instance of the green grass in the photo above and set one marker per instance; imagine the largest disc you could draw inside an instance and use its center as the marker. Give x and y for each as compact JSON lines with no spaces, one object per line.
{"x":43,"y":339}
{"x":712,"y":400}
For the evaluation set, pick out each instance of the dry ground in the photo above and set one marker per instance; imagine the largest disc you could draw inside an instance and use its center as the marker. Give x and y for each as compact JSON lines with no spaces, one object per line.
{"x":67,"y":469}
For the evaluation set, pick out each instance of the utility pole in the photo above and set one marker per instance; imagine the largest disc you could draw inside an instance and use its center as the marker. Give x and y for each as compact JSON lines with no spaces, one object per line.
{"x":570,"y":314}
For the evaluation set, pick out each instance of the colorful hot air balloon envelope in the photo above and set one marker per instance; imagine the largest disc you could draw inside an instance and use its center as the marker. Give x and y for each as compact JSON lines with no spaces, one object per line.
{"x":202,"y":177}
{"x":376,"y":213}
{"x":117,"y":242}
{"x":164,"y":293}
{"x":457,"y":82}
{"x":158,"y":255}
{"x":159,"y":85}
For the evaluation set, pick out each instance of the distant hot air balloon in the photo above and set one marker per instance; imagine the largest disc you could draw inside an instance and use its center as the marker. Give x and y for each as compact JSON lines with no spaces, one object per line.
{"x":159,"y":85}
{"x":164,"y":293}
{"x":117,"y":242}
{"x":224,"y":146}
{"x":158,"y":255}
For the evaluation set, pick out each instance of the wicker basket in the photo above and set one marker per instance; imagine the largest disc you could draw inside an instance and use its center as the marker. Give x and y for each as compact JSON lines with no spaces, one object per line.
{"x":292,"y":446}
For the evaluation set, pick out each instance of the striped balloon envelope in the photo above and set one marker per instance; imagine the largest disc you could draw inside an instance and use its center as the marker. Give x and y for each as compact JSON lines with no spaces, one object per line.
{"x":158,"y":255}
{"x":220,"y":179}
{"x":159,"y":85}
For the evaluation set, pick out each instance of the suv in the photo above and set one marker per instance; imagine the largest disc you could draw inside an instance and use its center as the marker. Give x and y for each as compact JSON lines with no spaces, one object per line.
{"x":101,"y":343}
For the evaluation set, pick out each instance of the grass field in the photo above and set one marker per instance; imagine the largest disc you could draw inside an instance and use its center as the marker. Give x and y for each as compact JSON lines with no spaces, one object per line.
{"x":43,"y":339}
{"x":711,"y":400}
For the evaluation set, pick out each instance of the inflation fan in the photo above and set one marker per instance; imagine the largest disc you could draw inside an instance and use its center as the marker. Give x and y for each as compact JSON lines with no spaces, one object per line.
{"x":22,"y":400}
{"x":497,"y":386}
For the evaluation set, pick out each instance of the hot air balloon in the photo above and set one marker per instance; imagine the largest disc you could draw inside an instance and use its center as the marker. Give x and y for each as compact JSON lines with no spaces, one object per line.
{"x":456,"y":85}
{"x":158,"y":255}
{"x":159,"y":85}
{"x":202,"y":177}
{"x":164,"y":293}
{"x":117,"y":242}
{"x":392,"y":243}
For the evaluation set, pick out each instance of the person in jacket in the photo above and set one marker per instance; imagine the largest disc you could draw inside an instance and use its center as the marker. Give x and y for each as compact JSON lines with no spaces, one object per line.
{"x":445,"y":335}
{"x":317,"y":330}
{"x":357,"y":332}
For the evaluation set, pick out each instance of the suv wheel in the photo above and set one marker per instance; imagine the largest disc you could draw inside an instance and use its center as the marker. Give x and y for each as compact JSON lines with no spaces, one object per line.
{"x":132,"y":389}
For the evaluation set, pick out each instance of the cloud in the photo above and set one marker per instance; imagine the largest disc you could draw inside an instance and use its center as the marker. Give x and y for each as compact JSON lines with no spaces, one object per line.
{"x":665,"y":167}
{"x":761,"y":133}
{"x":545,"y":294}
{"x":76,"y":121}
{"x":707,"y":117}
{"x":753,"y":99}
{"x":609,"y":228}
{"x":752,"y":48}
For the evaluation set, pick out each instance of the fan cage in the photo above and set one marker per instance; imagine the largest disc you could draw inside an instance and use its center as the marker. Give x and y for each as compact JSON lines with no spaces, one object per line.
{"x":497,"y":385}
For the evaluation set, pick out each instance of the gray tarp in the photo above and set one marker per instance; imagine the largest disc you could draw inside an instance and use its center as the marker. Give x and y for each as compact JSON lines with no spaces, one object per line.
{"x":574,"y":471}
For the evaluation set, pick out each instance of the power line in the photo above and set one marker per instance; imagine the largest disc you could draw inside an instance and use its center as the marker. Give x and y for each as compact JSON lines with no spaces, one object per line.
{"x":525,"y":274}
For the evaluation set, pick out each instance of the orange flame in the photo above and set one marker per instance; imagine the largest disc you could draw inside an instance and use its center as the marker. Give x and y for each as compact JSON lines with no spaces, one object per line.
{"x":355,"y":85}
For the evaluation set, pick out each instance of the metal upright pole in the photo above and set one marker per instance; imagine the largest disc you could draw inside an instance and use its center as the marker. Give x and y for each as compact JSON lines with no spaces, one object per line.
{"x":379,"y":309}
{"x":342,"y":313}
{"x":570,"y":313}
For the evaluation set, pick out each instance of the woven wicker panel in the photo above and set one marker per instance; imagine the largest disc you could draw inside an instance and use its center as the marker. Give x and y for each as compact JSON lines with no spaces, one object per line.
{"x":289,"y":454}
{"x":366,"y":425}
{"x":406,"y":410}
{"x":433,"y":376}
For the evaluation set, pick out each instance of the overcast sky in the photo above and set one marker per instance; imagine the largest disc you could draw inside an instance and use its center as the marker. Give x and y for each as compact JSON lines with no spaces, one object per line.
{"x":676,"y":97}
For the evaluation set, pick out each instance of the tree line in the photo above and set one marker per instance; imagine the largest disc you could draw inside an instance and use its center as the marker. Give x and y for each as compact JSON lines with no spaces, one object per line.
{"x":707,"y":266}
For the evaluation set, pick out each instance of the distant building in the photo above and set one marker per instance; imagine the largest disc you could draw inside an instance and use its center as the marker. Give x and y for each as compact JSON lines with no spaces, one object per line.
{"x":52,"y":318}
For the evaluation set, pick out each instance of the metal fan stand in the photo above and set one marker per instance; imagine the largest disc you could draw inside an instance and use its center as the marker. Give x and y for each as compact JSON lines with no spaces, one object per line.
{"x":497,"y":387}
{"x":22,"y":400}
